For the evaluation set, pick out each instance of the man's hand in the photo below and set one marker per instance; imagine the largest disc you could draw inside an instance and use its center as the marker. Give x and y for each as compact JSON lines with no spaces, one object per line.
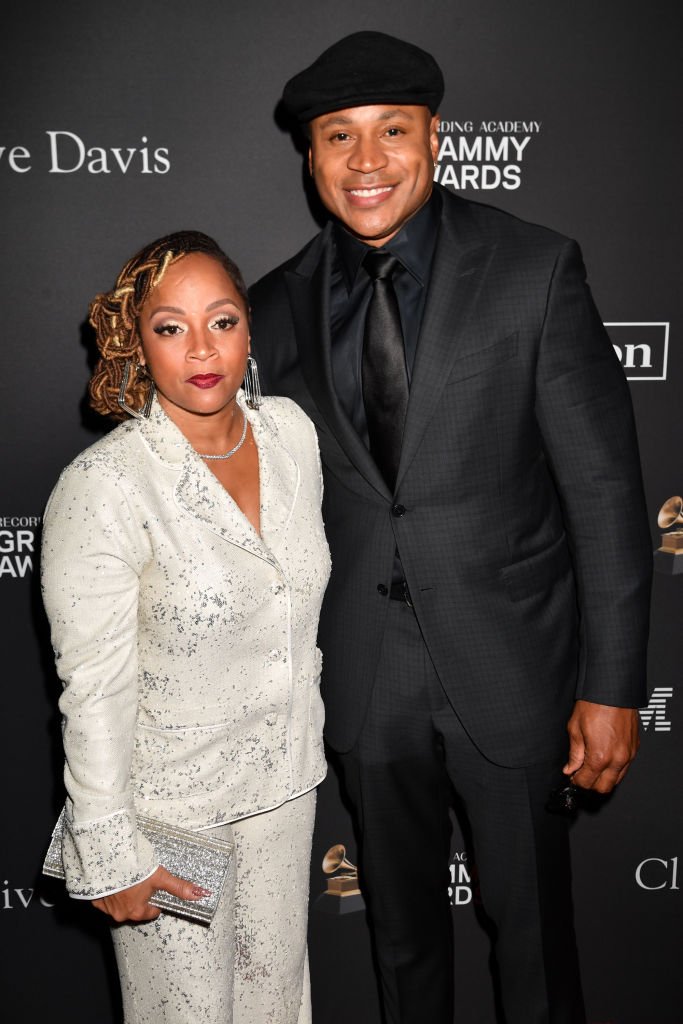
{"x":602,"y":743}
{"x":132,"y":904}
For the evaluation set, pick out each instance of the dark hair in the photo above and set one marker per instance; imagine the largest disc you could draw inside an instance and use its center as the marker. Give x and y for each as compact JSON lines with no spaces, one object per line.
{"x":114,"y":315}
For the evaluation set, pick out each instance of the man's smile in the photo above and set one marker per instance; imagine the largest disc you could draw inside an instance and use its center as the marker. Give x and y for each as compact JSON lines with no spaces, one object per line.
{"x":369,"y":192}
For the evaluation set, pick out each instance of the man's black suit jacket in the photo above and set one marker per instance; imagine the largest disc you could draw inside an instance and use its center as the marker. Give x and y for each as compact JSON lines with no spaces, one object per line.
{"x":518,"y":511}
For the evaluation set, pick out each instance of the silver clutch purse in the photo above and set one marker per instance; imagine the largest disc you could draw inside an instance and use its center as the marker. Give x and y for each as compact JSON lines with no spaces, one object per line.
{"x":196,"y":856}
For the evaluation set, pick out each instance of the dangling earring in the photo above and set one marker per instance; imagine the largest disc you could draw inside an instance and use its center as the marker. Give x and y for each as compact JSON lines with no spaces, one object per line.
{"x":252,"y":385}
{"x":139,"y":414}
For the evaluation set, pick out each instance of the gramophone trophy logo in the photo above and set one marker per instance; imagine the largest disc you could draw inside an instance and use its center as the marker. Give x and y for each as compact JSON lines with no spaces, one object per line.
{"x":343,"y":894}
{"x":669,"y":557}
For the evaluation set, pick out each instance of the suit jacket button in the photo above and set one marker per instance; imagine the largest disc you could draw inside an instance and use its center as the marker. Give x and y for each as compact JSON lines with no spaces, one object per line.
{"x":398,"y":511}
{"x":381,"y":589}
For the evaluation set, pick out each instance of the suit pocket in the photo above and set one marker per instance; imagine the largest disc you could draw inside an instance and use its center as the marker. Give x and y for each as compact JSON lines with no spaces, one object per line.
{"x":185,"y":762}
{"x":483,"y":359}
{"x":538,"y":572}
{"x":185,"y":753}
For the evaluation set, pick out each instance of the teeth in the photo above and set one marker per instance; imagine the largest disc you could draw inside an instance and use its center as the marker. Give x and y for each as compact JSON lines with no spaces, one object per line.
{"x":369,"y":191}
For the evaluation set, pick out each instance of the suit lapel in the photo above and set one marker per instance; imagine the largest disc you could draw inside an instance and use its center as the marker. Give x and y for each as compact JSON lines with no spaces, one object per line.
{"x":279,"y":480}
{"x":309,"y":293}
{"x":199,"y":494}
{"x":459,"y":268}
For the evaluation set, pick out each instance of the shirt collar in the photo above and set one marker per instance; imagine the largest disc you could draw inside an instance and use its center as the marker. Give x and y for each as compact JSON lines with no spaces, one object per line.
{"x":413,"y":244}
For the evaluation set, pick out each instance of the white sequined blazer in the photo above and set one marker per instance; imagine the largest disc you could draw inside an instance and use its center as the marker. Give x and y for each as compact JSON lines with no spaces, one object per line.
{"x":185,"y":641}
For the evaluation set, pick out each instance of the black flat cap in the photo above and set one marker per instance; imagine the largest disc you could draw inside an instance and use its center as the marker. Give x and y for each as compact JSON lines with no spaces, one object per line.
{"x":363,"y":69}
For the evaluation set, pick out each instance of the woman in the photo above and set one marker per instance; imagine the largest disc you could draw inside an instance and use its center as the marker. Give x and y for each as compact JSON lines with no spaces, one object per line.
{"x":184,"y":565}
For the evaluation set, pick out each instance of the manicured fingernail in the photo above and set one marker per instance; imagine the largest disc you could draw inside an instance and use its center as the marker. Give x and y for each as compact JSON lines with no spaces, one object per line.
{"x":198,"y":892}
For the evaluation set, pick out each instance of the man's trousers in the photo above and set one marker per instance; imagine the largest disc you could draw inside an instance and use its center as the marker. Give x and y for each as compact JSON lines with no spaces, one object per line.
{"x":412,"y":753}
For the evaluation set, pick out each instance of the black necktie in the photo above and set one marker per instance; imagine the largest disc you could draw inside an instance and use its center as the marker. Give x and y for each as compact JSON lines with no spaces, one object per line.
{"x":385,"y":381}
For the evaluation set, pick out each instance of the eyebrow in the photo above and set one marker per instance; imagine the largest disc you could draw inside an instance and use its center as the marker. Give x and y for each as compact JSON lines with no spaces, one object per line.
{"x":166,"y":309}
{"x":386,"y":115}
{"x":221,"y":302}
{"x":181,"y":312}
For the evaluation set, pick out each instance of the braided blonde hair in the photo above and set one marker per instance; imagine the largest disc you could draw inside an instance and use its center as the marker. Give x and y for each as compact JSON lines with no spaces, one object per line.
{"x":114,"y":316}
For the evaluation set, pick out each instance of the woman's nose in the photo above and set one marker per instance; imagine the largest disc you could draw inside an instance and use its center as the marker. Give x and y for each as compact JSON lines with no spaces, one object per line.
{"x":201,"y":344}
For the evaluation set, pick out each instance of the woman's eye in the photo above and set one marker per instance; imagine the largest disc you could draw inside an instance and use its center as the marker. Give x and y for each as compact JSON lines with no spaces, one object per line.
{"x":168,"y":329}
{"x":225,"y":323}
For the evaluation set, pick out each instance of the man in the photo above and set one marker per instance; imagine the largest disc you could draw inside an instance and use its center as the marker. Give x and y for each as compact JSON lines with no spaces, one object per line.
{"x":484,"y":508}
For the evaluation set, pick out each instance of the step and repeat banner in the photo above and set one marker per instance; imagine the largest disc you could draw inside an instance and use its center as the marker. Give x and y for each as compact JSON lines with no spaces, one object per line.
{"x":124,"y":121}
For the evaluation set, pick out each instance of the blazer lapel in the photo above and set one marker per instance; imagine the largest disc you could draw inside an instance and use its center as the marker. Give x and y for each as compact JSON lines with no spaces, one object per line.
{"x":279,"y":479}
{"x":459,"y":268}
{"x":309,"y":292}
{"x":197,"y":491}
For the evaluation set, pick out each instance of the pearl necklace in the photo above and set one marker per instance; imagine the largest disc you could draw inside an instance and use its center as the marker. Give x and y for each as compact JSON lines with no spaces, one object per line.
{"x":232,"y":450}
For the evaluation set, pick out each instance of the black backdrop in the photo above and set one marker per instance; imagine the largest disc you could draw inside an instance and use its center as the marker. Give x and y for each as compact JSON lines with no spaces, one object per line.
{"x":123,"y":121}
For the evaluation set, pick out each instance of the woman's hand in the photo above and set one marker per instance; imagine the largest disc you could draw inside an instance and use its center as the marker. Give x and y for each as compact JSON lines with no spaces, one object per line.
{"x":132,"y":904}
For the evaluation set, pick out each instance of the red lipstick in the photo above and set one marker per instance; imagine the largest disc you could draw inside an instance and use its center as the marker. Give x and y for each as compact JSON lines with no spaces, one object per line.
{"x":205,"y":380}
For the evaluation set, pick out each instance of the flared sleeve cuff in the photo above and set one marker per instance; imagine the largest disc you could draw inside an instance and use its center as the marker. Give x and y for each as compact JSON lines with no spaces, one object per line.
{"x":104,"y":856}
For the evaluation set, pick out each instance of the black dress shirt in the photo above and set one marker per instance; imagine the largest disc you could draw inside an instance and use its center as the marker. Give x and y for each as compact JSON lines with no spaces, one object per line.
{"x":351,"y":289}
{"x":350,"y":292}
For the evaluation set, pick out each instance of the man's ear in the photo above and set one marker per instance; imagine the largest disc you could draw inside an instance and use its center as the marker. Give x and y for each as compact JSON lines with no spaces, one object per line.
{"x":310,"y":160}
{"x":434,"y":136}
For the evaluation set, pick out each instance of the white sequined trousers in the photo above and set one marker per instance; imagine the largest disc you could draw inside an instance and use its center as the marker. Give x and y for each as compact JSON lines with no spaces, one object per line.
{"x":251,"y":965}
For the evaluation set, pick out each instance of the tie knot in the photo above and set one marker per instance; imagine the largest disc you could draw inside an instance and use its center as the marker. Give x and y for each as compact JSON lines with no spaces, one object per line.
{"x":380,"y":265}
